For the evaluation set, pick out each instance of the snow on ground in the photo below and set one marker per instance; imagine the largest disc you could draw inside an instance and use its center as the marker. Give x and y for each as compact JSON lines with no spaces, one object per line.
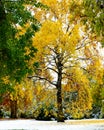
{"x":45,"y":125}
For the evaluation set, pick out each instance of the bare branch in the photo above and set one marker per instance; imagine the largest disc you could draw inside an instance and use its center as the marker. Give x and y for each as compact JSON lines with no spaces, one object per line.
{"x":82,"y":58}
{"x":82,"y":44}
{"x":52,"y":69}
{"x":67,"y":74}
{"x":70,"y":66}
{"x":42,"y":78}
{"x":67,"y":29}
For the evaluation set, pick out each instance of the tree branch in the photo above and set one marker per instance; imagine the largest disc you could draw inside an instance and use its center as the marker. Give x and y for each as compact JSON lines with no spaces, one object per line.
{"x":42,"y":78}
{"x":82,"y":44}
{"x":52,"y":69}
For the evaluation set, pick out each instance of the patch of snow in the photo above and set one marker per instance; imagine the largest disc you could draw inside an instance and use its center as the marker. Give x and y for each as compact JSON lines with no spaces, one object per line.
{"x":44,"y":125}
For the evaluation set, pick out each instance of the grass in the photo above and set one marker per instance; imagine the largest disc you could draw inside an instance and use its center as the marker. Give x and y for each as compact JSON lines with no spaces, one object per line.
{"x":85,"y":121}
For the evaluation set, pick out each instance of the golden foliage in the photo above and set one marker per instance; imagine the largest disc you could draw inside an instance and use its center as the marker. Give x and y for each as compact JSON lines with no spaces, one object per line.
{"x":78,"y":84}
{"x":96,"y":70}
{"x":23,"y":93}
{"x":6,"y":80}
{"x":62,"y":34}
{"x":52,"y":35}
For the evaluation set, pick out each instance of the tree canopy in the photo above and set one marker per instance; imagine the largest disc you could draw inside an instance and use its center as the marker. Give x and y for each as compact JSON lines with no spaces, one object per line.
{"x":17,"y":26}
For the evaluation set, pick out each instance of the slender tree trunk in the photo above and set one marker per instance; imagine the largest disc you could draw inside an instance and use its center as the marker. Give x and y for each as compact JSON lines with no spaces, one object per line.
{"x":13,"y":106}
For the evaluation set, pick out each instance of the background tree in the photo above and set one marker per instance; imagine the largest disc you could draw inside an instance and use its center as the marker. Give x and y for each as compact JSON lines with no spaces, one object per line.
{"x":17,"y":26}
{"x":77,"y":95}
{"x":96,"y":73}
{"x":16,"y":48}
{"x":94,"y":17}
{"x":94,"y":68}
{"x":21,"y":98}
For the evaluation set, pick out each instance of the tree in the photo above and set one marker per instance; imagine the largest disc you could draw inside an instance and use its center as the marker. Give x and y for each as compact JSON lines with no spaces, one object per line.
{"x":77,"y":94}
{"x":58,"y":41}
{"x":93,"y":16}
{"x":21,"y":98}
{"x":16,"y":50}
{"x":95,"y":70}
{"x":17,"y":26}
{"x":96,"y":74}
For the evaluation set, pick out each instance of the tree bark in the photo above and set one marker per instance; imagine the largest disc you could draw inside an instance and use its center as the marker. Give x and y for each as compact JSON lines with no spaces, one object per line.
{"x":3,"y":25}
{"x":60,"y":114}
{"x":13,"y":106}
{"x":2,"y":12}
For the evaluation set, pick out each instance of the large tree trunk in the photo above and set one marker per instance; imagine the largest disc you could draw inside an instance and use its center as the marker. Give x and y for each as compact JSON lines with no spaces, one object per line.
{"x":3,"y":23}
{"x":2,"y":12}
{"x":60,"y":114}
{"x":13,"y":106}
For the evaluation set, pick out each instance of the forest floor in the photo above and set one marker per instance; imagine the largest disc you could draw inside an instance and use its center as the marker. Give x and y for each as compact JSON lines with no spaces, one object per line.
{"x":22,"y":124}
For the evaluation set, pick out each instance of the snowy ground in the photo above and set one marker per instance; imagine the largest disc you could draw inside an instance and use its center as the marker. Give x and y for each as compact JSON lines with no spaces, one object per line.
{"x":47,"y":125}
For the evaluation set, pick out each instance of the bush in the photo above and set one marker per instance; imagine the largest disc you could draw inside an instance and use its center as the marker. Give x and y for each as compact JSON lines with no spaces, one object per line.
{"x":45,"y":113}
{"x":4,"y":114}
{"x":26,"y":114}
